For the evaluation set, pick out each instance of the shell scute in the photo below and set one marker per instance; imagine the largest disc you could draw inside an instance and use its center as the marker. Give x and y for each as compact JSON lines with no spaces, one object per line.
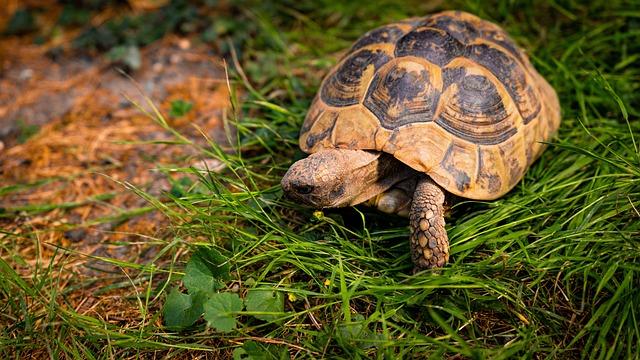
{"x":451,"y":75}
{"x":434,"y":45}
{"x":462,"y":30}
{"x":405,"y":91}
{"x":489,"y":168}
{"x":347,"y":84}
{"x":319,"y":134}
{"x":474,"y":111}
{"x":410,"y":145}
{"x":512,"y":75}
{"x":513,"y":155}
{"x":457,"y":162}
{"x":466,"y":28}
{"x":385,"y":34}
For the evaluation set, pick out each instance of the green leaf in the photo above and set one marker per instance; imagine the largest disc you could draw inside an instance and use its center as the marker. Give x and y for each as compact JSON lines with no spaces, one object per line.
{"x":241,"y":354}
{"x":25,"y":130}
{"x":252,"y":350}
{"x":182,"y":310}
{"x":73,"y":16}
{"x":21,"y":22}
{"x":180,"y":187}
{"x":357,"y":333}
{"x":206,"y":271}
{"x":180,"y":108}
{"x":220,"y":311}
{"x":269,"y":303}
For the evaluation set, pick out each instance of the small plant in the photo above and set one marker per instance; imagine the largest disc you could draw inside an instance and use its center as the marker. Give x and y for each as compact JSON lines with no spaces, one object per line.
{"x":205,"y":278}
{"x":180,"y":108}
{"x":25,"y":130}
{"x":22,"y":22}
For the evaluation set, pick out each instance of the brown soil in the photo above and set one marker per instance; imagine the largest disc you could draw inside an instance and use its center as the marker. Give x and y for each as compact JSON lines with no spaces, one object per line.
{"x":91,"y":147}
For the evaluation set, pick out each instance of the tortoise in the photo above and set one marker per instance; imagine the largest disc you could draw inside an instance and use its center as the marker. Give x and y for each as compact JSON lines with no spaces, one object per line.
{"x":417,"y":113}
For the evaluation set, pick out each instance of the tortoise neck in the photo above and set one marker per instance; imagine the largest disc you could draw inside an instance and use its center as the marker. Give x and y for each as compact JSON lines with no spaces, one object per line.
{"x":378,"y":176}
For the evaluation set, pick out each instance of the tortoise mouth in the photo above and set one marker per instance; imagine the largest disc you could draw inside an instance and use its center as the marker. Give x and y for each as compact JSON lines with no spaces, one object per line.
{"x":306,"y":195}
{"x":296,"y":189}
{"x":299,"y":187}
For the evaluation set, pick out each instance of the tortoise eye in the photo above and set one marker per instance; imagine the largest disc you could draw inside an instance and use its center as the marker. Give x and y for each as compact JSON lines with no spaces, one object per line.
{"x":303,"y":189}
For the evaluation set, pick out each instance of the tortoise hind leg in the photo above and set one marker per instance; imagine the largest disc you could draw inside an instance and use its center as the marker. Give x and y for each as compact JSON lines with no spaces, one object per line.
{"x":429,"y":242}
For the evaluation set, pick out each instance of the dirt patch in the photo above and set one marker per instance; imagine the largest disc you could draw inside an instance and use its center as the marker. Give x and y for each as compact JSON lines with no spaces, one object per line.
{"x":69,"y":184}
{"x":38,"y":88}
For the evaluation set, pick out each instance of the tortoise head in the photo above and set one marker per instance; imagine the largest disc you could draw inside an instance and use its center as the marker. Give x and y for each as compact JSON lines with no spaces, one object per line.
{"x":332,"y":177}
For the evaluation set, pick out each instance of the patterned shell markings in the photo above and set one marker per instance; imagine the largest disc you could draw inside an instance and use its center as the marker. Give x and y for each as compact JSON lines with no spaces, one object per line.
{"x":450,"y":95}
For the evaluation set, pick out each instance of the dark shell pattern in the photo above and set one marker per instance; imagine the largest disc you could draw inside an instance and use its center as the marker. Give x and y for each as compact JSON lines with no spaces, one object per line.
{"x":449,"y":94}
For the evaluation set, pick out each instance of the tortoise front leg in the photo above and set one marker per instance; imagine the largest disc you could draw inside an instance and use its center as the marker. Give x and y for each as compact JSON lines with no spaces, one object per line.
{"x":429,"y":242}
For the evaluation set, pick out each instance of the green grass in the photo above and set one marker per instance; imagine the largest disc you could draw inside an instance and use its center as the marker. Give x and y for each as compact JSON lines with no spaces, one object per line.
{"x":552,"y":270}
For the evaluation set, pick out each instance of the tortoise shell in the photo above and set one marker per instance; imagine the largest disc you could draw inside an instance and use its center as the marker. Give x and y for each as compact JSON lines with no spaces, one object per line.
{"x":449,"y":95}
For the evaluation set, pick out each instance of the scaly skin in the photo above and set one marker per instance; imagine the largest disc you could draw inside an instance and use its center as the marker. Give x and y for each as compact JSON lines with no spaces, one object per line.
{"x":429,"y":241}
{"x":396,"y":200}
